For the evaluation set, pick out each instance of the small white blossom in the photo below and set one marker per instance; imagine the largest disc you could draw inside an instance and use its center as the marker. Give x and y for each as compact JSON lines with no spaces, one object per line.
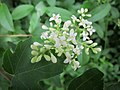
{"x":85,"y":36}
{"x":66,"y":25}
{"x":56,"y":18}
{"x":91,"y":30}
{"x":76,"y":65}
{"x":44,"y":35}
{"x":74,"y":18}
{"x":76,"y":50}
{"x":68,"y":58}
{"x":72,"y":36}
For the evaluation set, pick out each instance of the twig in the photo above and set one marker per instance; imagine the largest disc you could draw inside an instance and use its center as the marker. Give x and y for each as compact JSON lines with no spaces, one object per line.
{"x":5,"y":75}
{"x":18,"y":35}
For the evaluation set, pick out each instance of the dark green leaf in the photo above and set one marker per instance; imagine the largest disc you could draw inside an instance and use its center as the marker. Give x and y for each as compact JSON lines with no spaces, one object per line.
{"x":99,"y":30}
{"x":26,"y":74}
{"x":4,"y":84}
{"x":51,"y":2}
{"x":65,"y":14}
{"x":6,"y":18}
{"x":40,"y":8}
{"x":90,"y":80}
{"x":115,"y":86}
{"x":83,"y":58}
{"x":115,"y":12}
{"x":100,"y":12}
{"x":34,"y":22}
{"x":21,"y":11}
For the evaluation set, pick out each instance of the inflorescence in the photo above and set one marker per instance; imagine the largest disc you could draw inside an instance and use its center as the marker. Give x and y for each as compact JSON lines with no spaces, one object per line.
{"x":68,"y":39}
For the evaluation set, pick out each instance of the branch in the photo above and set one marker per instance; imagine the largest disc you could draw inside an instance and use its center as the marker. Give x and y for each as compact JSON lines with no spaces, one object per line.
{"x":18,"y":35}
{"x":5,"y":75}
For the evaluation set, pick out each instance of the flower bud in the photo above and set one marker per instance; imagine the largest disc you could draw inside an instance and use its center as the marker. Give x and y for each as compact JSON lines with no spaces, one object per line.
{"x":39,"y":58}
{"x":33,"y":60}
{"x":87,"y":51}
{"x":47,"y":57}
{"x":34,"y":47}
{"x":89,"y":42}
{"x":44,"y":27}
{"x":53,"y":58}
{"x":98,"y":49}
{"x":93,"y":45}
{"x":34,"y":53}
{"x":37,"y":44}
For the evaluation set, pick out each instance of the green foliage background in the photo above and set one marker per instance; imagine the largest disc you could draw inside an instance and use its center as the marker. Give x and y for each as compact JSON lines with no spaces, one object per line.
{"x":20,"y":25}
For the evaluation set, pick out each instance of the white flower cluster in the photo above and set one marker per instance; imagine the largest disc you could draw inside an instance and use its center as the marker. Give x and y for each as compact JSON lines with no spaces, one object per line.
{"x":68,"y":39}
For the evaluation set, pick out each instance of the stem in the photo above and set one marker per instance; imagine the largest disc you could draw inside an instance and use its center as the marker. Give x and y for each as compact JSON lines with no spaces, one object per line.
{"x":18,"y":35}
{"x":5,"y":75}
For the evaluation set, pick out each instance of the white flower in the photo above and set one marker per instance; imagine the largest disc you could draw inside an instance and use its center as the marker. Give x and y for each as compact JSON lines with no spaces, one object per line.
{"x":59,"y":51}
{"x":56,"y":18}
{"x":68,"y":58}
{"x":57,"y":42}
{"x":66,"y":25}
{"x":76,"y":50}
{"x":85,"y":36}
{"x":76,"y":65}
{"x":72,"y":36}
{"x":91,"y":30}
{"x":74,"y":18}
{"x":83,"y":23}
{"x":53,"y":58}
{"x":44,"y":35}
{"x":44,"y":27}
{"x":53,"y":35}
{"x":63,"y":41}
{"x":81,"y":11}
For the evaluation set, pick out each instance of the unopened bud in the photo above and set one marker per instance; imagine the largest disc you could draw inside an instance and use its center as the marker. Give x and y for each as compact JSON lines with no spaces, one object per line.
{"x":47,"y":57}
{"x":33,"y":60}
{"x":39,"y":58}
{"x":53,"y":58}
{"x":34,"y":53}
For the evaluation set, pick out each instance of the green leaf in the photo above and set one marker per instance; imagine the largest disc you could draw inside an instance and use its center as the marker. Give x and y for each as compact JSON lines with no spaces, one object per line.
{"x":27,"y":75}
{"x":115,"y":86}
{"x":99,"y":30}
{"x":40,"y":8}
{"x":90,"y":80}
{"x":4,"y":84}
{"x":65,"y":14}
{"x":100,"y":12}
{"x":22,"y":11}
{"x":51,"y":2}
{"x":6,"y":18}
{"x":115,"y":12}
{"x":83,"y":58}
{"x":34,"y":21}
